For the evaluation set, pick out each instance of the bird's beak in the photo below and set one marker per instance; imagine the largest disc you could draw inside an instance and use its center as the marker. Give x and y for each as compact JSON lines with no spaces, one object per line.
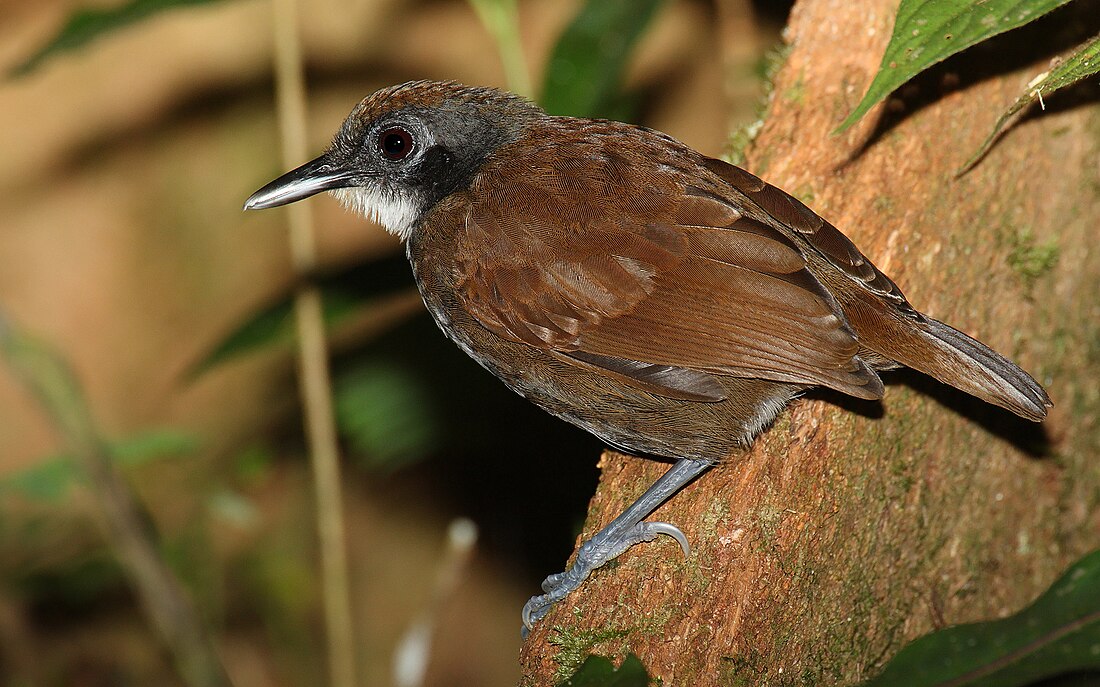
{"x":310,"y":179}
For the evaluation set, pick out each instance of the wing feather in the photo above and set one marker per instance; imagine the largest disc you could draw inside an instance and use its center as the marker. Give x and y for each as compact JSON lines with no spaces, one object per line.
{"x":630,"y":272}
{"x":830,"y":243}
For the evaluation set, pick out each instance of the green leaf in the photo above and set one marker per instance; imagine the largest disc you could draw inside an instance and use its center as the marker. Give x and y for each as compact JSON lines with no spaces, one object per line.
{"x":1083,"y":63}
{"x":1058,"y":634}
{"x":51,"y":479}
{"x":273,"y":326}
{"x":152,"y":445}
{"x":501,"y":19}
{"x":585,"y":70}
{"x":48,"y":481}
{"x":597,"y":671}
{"x":344,"y":295}
{"x":72,"y":582}
{"x":253,"y":464}
{"x":86,"y":25}
{"x":385,"y":410}
{"x":930,"y":31}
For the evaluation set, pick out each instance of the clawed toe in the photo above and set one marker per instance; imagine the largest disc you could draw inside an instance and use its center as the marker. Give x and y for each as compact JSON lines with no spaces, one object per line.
{"x":648,"y":531}
{"x":594,"y":553}
{"x":620,"y":534}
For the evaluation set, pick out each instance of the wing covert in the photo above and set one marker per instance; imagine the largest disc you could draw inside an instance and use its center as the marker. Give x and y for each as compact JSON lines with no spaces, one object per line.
{"x":659,"y":282}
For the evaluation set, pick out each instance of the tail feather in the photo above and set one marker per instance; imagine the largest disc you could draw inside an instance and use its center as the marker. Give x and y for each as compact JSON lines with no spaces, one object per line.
{"x":973,"y":367}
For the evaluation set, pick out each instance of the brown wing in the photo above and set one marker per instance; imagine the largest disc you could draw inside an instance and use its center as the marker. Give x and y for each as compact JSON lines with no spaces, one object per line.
{"x":823,"y":237}
{"x":609,"y":262}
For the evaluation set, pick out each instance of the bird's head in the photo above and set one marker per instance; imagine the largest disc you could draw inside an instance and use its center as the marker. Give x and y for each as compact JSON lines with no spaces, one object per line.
{"x":405,"y":148}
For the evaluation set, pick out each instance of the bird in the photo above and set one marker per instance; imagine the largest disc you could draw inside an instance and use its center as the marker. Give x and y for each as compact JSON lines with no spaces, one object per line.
{"x":669,"y":303}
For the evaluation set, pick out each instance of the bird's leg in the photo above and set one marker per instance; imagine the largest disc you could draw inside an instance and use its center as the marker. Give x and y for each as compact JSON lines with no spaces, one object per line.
{"x":619,"y":535}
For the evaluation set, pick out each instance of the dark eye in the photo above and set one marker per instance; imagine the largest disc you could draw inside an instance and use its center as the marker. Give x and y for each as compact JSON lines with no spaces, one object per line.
{"x":396,"y":144}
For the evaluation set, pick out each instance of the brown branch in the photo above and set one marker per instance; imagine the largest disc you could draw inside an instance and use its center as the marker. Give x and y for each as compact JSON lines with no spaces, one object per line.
{"x":818,"y":551}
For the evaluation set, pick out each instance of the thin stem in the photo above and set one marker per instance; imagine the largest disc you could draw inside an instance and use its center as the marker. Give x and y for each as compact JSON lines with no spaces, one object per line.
{"x":127,"y":524}
{"x":315,"y":383}
{"x":501,"y":19}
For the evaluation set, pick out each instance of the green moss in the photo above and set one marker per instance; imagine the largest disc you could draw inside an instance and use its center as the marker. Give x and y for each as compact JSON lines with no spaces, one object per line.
{"x":576,"y":645}
{"x":743,"y":136}
{"x":740,"y":671}
{"x":772,"y":61}
{"x":709,"y":526}
{"x":883,"y":204}
{"x":768,"y":518}
{"x":796,"y":93}
{"x":1029,"y":259}
{"x":806,"y":194}
{"x":657,"y":623}
{"x":740,"y":140}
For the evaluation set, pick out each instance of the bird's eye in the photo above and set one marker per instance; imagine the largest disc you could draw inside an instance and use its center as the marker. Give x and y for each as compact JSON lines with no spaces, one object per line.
{"x":396,"y":144}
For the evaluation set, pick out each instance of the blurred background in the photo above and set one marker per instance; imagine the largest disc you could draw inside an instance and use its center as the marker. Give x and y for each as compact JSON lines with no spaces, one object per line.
{"x":123,"y":247}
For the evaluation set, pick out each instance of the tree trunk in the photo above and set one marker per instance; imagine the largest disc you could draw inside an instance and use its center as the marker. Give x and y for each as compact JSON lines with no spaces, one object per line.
{"x":851,"y":528}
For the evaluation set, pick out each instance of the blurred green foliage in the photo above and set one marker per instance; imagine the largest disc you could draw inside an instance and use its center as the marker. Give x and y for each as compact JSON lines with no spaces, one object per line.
{"x":52,"y":478}
{"x":80,"y":582}
{"x":85,"y":25}
{"x":585,"y":71}
{"x":273,"y":326}
{"x":501,"y":19}
{"x":387,"y":413}
{"x":346,"y":295}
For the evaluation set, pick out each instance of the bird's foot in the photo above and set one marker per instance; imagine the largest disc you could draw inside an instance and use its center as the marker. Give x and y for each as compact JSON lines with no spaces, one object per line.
{"x":601,"y":549}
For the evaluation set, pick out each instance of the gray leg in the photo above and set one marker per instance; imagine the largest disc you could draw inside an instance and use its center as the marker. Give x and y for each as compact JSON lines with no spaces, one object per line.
{"x":619,"y":535}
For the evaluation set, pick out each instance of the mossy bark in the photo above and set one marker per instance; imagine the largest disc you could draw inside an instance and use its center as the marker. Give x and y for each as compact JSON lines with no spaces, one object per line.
{"x":851,"y":528}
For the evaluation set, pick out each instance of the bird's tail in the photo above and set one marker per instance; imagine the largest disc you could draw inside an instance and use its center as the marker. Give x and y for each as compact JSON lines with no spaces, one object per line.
{"x":971,"y":366}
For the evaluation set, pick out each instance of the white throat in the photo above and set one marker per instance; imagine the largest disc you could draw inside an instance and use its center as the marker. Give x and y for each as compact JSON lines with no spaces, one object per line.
{"x":397,"y":212}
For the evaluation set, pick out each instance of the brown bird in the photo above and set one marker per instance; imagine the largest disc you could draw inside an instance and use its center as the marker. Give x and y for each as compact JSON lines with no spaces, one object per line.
{"x":667,"y":302}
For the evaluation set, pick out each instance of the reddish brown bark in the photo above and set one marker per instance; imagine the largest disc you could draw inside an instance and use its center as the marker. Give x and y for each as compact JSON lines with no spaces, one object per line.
{"x":846,"y":532}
